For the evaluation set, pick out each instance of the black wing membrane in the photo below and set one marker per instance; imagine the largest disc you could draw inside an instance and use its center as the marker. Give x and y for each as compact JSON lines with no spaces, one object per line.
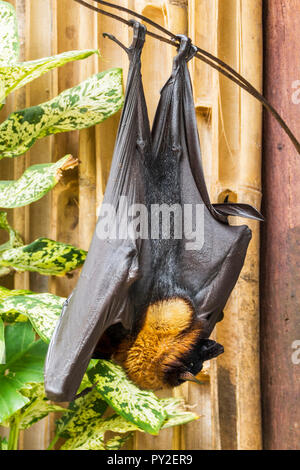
{"x":101,"y":298}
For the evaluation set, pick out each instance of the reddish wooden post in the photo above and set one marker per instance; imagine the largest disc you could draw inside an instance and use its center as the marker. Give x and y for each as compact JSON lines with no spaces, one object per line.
{"x":280,"y":274}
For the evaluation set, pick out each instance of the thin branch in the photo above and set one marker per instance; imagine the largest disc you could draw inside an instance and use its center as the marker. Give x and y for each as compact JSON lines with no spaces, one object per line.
{"x":203,"y":55}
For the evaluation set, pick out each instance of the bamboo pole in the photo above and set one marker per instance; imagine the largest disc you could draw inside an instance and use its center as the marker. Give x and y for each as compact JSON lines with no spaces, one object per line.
{"x":87,"y":139}
{"x":237,"y":144}
{"x":65,"y":196}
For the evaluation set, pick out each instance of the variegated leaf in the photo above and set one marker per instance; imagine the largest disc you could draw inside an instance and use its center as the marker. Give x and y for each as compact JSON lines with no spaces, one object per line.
{"x":12,"y":315}
{"x":85,"y":105}
{"x":117,"y":442}
{"x":83,"y":412}
{"x":38,"y":407}
{"x":42,"y":310}
{"x":16,"y":75}
{"x":35,"y":182}
{"x":142,"y":408}
{"x":9,"y":39}
{"x":92,"y":437}
{"x":45,"y":256}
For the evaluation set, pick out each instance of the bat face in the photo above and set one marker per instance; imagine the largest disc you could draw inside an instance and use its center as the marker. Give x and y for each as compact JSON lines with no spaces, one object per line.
{"x":190,"y":364}
{"x":168,"y":349}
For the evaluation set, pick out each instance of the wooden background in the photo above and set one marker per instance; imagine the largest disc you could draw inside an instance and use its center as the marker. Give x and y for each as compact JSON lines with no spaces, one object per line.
{"x":230,"y":130}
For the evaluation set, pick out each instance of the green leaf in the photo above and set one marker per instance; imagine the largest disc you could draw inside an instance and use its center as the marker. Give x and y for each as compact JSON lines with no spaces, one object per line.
{"x":142,"y":408}
{"x":36,"y":181}
{"x":82,"y":413}
{"x":85,"y":105}
{"x":9,"y":39}
{"x":4,"y":292}
{"x":16,"y":75}
{"x":92,"y":436}
{"x":24,"y":363}
{"x":45,"y":256}
{"x":11,"y":315}
{"x":43,"y":311}
{"x":2,"y":343}
{"x":38,"y":406}
{"x":117,"y":442}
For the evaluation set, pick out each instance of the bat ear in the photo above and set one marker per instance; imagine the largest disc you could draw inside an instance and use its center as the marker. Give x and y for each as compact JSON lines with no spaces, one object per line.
{"x":210,"y":349}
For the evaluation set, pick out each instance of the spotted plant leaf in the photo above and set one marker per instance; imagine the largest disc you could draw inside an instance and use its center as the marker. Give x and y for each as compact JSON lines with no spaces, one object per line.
{"x":9,"y":39}
{"x":82,"y":413}
{"x":117,"y":442}
{"x":38,"y":406}
{"x":85,"y":105}
{"x":44,"y":256}
{"x":16,"y":75}
{"x":43,"y":311}
{"x":142,"y":408}
{"x":35,"y":182}
{"x":25,"y":359}
{"x":11,"y":315}
{"x":92,"y":437}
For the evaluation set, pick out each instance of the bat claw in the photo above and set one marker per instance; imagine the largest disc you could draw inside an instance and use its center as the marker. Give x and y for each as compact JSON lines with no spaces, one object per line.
{"x":139,"y":33}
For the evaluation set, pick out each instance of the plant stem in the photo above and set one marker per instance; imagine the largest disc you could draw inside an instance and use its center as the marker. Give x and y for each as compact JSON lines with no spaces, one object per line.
{"x":13,"y":435}
{"x":53,"y":442}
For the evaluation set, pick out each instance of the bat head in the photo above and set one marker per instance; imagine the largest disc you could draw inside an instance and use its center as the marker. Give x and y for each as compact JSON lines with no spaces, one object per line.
{"x":169,"y":348}
{"x":188,"y":365}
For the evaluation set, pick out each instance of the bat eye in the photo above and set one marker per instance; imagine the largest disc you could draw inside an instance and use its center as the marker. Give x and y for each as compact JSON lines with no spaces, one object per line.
{"x":191,"y":364}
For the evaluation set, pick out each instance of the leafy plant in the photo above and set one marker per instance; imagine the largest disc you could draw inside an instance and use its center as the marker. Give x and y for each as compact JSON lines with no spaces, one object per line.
{"x":35,"y":182}
{"x":24,"y":364}
{"x":85,"y":105}
{"x":25,"y":314}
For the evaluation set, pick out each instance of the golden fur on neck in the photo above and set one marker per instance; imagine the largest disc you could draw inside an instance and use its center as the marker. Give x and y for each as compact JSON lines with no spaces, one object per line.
{"x":160,"y":342}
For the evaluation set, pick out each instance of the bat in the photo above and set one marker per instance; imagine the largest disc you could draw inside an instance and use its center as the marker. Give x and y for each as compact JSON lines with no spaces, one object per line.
{"x":163,"y":259}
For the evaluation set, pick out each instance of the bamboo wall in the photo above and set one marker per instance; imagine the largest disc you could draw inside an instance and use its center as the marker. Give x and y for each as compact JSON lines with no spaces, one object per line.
{"x":230,"y":131}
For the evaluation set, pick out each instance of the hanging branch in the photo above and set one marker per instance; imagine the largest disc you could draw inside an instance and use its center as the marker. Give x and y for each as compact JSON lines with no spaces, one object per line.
{"x":203,"y":55}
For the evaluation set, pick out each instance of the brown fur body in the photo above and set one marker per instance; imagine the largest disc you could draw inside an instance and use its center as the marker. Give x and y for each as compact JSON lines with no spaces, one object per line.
{"x":168,"y":333}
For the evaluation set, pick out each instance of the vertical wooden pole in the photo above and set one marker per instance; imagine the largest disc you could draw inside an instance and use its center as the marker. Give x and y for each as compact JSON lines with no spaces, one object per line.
{"x":87,"y":145}
{"x":65,"y":212}
{"x":236,"y":170}
{"x":280,"y":326}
